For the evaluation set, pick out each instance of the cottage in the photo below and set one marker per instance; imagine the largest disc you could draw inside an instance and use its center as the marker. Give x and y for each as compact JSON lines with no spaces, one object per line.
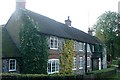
{"x":89,"y":52}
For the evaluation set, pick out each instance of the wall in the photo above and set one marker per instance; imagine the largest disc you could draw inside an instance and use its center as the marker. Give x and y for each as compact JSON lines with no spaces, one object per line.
{"x":5,"y":66}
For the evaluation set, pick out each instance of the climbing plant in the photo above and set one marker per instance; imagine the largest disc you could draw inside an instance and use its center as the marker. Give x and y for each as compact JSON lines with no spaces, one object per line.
{"x":33,"y":47}
{"x":66,"y":59}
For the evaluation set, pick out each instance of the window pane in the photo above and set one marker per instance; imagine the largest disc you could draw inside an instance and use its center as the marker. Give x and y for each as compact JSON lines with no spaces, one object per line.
{"x":53,"y":42}
{"x":49,"y":66}
{"x":57,"y":65}
{"x":81,"y":62}
{"x":12,"y":64}
{"x":74,"y":65}
{"x":53,"y":66}
{"x":88,"y":61}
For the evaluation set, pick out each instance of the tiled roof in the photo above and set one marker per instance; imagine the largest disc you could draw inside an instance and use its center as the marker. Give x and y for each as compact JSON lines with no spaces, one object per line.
{"x":51,"y":27}
{"x":9,"y":49}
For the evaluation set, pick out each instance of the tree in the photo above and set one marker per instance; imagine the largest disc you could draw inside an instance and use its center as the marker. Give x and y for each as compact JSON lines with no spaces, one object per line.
{"x":66,"y":59}
{"x":33,"y":47}
{"x":107,"y":30}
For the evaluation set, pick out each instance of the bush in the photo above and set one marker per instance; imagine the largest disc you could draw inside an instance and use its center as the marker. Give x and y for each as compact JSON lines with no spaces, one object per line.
{"x":15,"y":76}
{"x":94,"y":75}
{"x":104,"y":73}
{"x":118,"y":64}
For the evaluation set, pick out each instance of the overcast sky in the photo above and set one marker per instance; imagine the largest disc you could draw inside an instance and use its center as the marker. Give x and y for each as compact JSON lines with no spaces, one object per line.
{"x":83,"y":13}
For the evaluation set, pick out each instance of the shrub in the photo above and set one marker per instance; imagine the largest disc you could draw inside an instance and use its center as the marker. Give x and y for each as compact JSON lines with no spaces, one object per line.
{"x":15,"y":76}
{"x":104,"y":73}
{"x":118,"y":64}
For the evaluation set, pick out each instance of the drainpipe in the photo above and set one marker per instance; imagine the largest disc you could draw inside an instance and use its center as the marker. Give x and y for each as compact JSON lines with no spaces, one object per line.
{"x":85,"y":58}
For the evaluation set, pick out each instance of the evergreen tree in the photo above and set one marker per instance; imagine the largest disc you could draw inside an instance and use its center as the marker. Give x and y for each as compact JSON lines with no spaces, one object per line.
{"x":66,"y":59}
{"x":33,"y":47}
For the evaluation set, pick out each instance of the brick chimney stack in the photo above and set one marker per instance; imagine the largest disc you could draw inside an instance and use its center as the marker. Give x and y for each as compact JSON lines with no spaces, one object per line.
{"x":68,"y":21}
{"x":90,"y":31}
{"x":20,"y":4}
{"x":119,"y":6}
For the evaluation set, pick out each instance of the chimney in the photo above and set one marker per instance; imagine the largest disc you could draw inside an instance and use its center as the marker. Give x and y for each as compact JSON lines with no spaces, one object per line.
{"x":20,"y":4}
{"x":68,"y":21}
{"x":90,"y":31}
{"x":119,"y":6}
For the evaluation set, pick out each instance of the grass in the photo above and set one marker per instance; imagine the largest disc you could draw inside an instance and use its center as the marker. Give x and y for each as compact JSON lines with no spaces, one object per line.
{"x":114,"y":77}
{"x":114,"y":62}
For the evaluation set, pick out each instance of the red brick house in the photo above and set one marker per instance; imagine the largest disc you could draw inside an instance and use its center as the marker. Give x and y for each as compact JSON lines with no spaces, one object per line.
{"x":93,"y":58}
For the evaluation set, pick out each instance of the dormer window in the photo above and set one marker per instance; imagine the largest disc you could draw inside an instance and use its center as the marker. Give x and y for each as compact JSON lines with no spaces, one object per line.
{"x":53,"y":42}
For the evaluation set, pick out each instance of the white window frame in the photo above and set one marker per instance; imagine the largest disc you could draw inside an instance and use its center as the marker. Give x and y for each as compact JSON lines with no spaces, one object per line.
{"x":14,"y":65}
{"x":51,"y":60}
{"x":88,"y":48}
{"x":74,"y":64}
{"x":93,"y":48}
{"x":88,"y":61}
{"x":81,"y":46}
{"x":54,"y":38}
{"x":81,"y":61}
{"x":74,"y":45}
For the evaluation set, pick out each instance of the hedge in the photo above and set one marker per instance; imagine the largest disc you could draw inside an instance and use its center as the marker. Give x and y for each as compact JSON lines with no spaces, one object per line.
{"x":104,"y":73}
{"x":13,"y":76}
{"x":94,"y":75}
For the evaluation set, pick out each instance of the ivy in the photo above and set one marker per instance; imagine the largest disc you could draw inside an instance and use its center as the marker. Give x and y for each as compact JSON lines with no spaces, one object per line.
{"x":33,"y":47}
{"x":66,"y":59}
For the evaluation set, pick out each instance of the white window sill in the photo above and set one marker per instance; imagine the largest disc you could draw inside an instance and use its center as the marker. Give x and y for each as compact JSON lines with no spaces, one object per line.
{"x":13,"y":70}
{"x":81,"y":68}
{"x":74,"y":69}
{"x":88,"y":66}
{"x":81,"y":50}
{"x":53,"y":72}
{"x":54,"y":48}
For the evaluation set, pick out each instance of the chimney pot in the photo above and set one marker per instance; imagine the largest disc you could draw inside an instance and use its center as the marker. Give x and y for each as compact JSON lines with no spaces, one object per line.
{"x":90,"y":31}
{"x":68,"y":21}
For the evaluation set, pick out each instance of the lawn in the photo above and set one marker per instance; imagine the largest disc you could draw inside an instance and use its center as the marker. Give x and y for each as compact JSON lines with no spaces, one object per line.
{"x":117,"y":75}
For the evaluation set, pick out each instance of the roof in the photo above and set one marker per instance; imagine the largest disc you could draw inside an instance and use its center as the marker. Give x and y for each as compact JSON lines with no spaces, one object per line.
{"x":9,"y":49}
{"x":46,"y":26}
{"x":51,"y":27}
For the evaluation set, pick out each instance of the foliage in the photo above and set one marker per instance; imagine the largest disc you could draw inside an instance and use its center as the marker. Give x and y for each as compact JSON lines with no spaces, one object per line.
{"x":104,"y":74}
{"x":119,"y":64}
{"x":66,"y":59}
{"x":103,"y":70}
{"x":33,"y":47}
{"x":11,"y":76}
{"x":107,"y":29}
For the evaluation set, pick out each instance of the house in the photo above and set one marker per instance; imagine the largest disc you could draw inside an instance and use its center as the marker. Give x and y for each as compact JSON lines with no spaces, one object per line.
{"x":93,"y":58}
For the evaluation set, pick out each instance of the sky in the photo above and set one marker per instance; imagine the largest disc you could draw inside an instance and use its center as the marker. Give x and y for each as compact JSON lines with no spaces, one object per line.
{"x":83,"y":13}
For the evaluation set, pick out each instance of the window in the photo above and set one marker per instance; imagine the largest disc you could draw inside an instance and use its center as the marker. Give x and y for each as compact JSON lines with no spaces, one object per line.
{"x":12,"y":64}
{"x":74,"y":45}
{"x":81,"y":63}
{"x":74,"y":64}
{"x":81,"y":46}
{"x":53,"y":66}
{"x":88,"y":48}
{"x":93,"y":49}
{"x":53,"y":42}
{"x":88,"y":61}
